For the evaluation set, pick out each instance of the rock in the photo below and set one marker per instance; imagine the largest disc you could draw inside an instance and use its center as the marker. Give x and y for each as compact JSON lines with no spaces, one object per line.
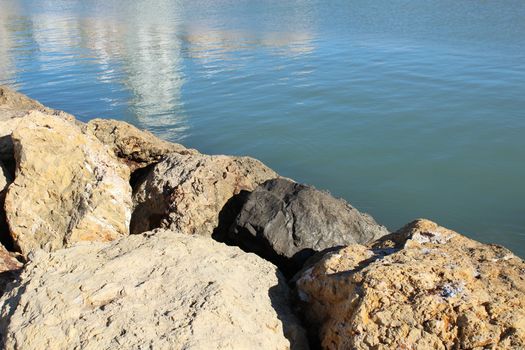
{"x":135,"y":147}
{"x":286,"y":223}
{"x":188,"y":192}
{"x":68,"y":187}
{"x":424,"y":287}
{"x":13,"y":107}
{"x":19,"y":103}
{"x":9,"y":267}
{"x":15,"y":100}
{"x":160,"y":290}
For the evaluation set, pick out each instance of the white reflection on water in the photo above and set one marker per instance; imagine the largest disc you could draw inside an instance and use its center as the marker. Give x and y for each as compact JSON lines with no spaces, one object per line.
{"x":137,"y":45}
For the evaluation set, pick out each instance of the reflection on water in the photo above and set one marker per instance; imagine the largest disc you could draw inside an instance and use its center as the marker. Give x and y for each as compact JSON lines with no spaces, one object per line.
{"x":142,"y":51}
{"x":406,"y":109}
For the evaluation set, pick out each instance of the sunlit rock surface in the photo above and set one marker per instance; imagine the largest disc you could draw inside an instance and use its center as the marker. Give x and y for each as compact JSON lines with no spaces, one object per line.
{"x":137,"y":148}
{"x":160,"y":290}
{"x":68,"y":187}
{"x":188,"y":192}
{"x":424,"y":287}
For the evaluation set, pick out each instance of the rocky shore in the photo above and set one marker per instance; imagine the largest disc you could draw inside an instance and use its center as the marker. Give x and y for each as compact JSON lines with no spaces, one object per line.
{"x":113,"y":238}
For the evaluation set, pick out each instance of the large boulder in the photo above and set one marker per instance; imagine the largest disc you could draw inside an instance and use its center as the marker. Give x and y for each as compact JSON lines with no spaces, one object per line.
{"x":188,"y":192}
{"x":14,"y":106}
{"x":424,"y":287}
{"x":160,"y":290}
{"x":9,"y":267}
{"x":137,"y":148}
{"x":68,"y":187}
{"x":286,"y":222}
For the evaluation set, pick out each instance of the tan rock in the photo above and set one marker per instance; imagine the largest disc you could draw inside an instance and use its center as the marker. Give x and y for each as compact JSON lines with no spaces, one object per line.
{"x":9,"y":266}
{"x":135,"y":147}
{"x":68,"y":187}
{"x":13,"y":107}
{"x":12,"y":100}
{"x":424,"y":287}
{"x":187,"y":192}
{"x":162,"y":290}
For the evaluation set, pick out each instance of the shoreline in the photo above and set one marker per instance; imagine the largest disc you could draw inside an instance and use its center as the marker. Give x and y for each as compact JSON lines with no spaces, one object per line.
{"x":323,"y":273}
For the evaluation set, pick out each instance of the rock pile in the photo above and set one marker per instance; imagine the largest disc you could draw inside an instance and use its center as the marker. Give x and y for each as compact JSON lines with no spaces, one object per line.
{"x":118,"y":232}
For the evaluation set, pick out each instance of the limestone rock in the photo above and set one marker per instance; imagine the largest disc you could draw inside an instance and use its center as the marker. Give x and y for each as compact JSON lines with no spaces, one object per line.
{"x":188,"y":192}
{"x":13,"y":107}
{"x":286,"y":223}
{"x":12,"y":100}
{"x":136,"y":147}
{"x":424,"y":287}
{"x":68,"y":187}
{"x":15,"y":100}
{"x":160,"y":290}
{"x":9,"y":266}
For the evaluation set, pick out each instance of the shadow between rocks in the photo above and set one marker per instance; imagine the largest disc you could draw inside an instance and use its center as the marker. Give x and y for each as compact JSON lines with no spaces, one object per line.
{"x":11,"y":304}
{"x":281,"y":299}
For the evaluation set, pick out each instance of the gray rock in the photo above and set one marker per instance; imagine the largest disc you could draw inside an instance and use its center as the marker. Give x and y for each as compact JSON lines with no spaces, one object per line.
{"x":286,"y":223}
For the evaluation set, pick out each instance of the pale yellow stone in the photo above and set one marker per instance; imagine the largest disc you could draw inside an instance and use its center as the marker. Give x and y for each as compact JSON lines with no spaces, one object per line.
{"x":68,"y":187}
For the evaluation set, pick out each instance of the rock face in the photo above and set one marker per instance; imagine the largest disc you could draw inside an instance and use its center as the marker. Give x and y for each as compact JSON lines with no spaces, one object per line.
{"x":13,"y":107}
{"x":286,"y":222}
{"x":15,"y":100}
{"x":9,"y":265}
{"x":68,"y":187}
{"x":188,"y":192}
{"x":136,"y":147}
{"x":424,"y":287}
{"x":162,"y":290}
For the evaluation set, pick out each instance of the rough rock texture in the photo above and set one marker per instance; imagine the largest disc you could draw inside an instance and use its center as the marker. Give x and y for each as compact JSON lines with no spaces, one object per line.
{"x":136,"y":147}
{"x":9,"y":266}
{"x":159,"y":290}
{"x":424,"y":287}
{"x":188,"y":192}
{"x":286,"y":222}
{"x":68,"y":187}
{"x":13,"y":107}
{"x":15,"y":100}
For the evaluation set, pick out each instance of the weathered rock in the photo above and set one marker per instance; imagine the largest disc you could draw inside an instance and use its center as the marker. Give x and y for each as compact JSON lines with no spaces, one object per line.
{"x":159,"y":290}
{"x":135,"y":147}
{"x":13,"y":107}
{"x":286,"y":222}
{"x":424,"y":287}
{"x":11,"y":99}
{"x":9,"y":266}
{"x":188,"y":192}
{"x":68,"y":187}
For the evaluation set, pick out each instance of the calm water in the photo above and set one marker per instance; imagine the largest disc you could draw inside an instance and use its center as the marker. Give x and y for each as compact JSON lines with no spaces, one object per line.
{"x":405,"y":108}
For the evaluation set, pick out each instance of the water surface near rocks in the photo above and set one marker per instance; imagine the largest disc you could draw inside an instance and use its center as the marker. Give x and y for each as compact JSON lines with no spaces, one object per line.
{"x":405,"y":108}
